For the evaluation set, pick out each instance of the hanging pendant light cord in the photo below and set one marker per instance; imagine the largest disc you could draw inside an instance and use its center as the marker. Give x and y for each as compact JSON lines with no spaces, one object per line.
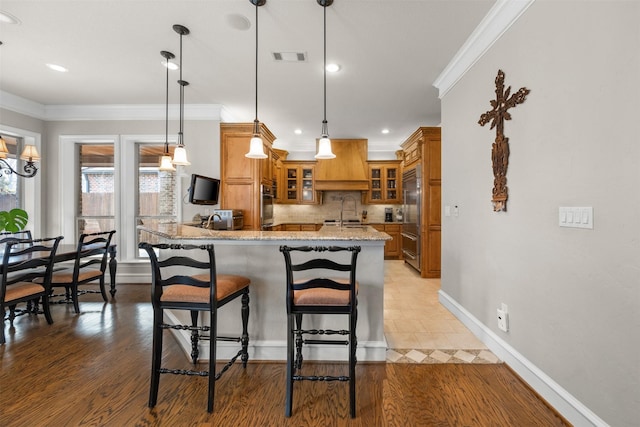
{"x":324,"y":70}
{"x":256,"y":123}
{"x":181,"y":141}
{"x":166,"y":113}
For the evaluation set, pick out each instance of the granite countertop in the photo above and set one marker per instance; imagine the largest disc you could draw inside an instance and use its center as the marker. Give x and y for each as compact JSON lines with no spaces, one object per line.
{"x":332,"y":232}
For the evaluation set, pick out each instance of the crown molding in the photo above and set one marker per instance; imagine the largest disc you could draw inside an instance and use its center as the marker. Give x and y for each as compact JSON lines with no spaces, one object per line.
{"x":109,"y":112}
{"x":499,"y":19}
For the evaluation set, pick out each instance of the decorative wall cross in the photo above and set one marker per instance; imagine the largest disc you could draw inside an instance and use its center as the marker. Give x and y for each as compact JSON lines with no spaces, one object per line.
{"x":500,"y":148}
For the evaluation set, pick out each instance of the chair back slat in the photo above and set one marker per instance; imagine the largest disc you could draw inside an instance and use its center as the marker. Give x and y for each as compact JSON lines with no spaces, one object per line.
{"x":92,"y":249}
{"x":171,"y":269}
{"x":25,"y":260}
{"x":304,"y":273}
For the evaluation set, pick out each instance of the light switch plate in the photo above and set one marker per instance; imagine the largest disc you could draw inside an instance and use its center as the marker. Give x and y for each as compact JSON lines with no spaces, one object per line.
{"x":575,"y":217}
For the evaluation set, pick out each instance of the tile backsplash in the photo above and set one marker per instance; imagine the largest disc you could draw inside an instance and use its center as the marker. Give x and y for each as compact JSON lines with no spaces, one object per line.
{"x":330,"y":209}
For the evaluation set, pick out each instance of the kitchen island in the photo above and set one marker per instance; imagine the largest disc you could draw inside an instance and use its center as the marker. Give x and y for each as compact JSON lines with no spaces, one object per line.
{"x":256,"y":254}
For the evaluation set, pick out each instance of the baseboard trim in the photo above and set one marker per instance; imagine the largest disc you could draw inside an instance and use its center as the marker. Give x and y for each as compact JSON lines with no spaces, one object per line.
{"x":560,"y":399}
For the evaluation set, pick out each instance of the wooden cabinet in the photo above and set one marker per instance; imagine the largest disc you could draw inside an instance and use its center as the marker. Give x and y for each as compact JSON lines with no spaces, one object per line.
{"x":424,"y":147}
{"x":391,"y":247}
{"x":348,"y":171}
{"x":277,"y":157}
{"x":241,"y":176}
{"x":299,"y":183}
{"x":385,"y":179}
{"x":299,"y":227}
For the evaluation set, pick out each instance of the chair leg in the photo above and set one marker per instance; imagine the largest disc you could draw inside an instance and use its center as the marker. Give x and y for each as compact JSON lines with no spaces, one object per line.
{"x":2,"y":312}
{"x":353,"y":344}
{"x":298,"y":336}
{"x":245,"y":323}
{"x":74,"y":298}
{"x":290,"y":366}
{"x":195,"y":337}
{"x":45,"y":308}
{"x":102,"y":289}
{"x":213,"y":322}
{"x":156,"y":357}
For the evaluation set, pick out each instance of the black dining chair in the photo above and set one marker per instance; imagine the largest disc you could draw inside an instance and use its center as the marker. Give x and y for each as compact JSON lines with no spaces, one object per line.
{"x":89,"y":266}
{"x":320,"y":285}
{"x":186,"y":278}
{"x":24,"y":261}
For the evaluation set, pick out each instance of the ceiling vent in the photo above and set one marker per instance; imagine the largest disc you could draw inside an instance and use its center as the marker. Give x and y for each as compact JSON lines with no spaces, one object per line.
{"x":290,"y":56}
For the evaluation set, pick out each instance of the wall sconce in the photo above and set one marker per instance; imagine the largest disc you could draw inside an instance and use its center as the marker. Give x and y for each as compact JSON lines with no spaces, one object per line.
{"x":29,"y":155}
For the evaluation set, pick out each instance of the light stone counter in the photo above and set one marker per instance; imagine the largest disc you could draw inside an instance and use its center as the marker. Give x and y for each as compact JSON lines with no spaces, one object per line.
{"x":256,"y":254}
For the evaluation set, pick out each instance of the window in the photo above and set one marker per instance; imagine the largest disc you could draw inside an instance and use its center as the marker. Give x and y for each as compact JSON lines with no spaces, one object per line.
{"x":96,"y":195}
{"x":10,"y":185}
{"x":157,"y":201}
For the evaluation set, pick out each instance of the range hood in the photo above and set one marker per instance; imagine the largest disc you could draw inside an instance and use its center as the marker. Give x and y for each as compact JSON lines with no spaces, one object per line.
{"x":349,"y":171}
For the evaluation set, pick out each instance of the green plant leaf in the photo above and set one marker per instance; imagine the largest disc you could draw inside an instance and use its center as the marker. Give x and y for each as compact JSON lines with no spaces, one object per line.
{"x":13,"y":220}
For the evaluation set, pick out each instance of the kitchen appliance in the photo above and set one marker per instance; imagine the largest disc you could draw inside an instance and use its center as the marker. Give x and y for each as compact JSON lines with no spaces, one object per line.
{"x":266,"y":207}
{"x":388,"y":214}
{"x":228,"y":219}
{"x":412,"y":198}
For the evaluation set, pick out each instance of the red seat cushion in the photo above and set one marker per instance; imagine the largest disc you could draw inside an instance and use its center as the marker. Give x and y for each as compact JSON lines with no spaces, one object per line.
{"x":227,"y":285}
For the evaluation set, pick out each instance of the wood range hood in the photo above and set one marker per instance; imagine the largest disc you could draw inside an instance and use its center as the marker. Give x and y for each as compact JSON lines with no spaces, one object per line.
{"x":349,"y":171}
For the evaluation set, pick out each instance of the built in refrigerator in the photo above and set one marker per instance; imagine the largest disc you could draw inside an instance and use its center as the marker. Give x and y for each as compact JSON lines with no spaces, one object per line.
{"x":411,"y":200}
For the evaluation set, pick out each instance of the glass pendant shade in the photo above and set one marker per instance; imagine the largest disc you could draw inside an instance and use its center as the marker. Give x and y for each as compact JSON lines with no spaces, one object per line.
{"x":180,"y":156}
{"x":324,"y":149}
{"x":166,"y":165}
{"x":30,"y":154}
{"x":256,"y":149}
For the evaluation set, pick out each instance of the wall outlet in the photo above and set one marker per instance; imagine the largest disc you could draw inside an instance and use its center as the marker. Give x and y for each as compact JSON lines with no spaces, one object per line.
{"x":503,"y":319}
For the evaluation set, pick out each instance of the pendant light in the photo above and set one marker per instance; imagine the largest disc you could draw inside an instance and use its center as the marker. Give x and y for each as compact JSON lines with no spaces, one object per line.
{"x":324,"y":145}
{"x":256,"y":148}
{"x":180,"y":153}
{"x":165,"y":160}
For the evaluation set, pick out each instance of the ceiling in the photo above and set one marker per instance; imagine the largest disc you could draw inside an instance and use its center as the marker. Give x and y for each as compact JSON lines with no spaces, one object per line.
{"x":390,"y":53}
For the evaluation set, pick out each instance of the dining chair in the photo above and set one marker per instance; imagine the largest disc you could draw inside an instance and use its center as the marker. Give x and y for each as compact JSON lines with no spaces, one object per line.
{"x":310,"y":291}
{"x":186,"y":278}
{"x":22,"y":262}
{"x":89,"y":266}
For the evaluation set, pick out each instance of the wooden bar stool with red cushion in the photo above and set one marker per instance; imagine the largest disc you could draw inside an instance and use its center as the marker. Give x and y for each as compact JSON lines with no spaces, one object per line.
{"x":309,"y":291}
{"x":182,"y":280}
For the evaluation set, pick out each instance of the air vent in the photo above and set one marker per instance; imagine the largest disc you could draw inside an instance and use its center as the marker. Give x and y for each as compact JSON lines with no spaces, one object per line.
{"x":290,"y":56}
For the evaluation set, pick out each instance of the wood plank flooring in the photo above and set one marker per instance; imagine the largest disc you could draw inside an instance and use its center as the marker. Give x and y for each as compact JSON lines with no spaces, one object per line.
{"x":92,"y":369}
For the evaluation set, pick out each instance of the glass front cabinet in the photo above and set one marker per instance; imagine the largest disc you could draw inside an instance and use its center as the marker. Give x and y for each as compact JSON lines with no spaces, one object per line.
{"x":385,"y":180}
{"x":299,"y":183}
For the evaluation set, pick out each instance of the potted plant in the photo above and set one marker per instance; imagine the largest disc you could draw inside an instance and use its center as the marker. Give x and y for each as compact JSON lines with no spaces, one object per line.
{"x":13,"y":220}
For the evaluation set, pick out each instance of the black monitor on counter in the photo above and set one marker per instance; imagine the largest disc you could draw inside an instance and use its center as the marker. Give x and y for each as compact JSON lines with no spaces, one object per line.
{"x":204,"y":190}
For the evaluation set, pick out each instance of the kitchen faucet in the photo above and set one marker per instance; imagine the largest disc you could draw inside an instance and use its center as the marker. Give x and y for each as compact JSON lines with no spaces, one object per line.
{"x":355,"y":207}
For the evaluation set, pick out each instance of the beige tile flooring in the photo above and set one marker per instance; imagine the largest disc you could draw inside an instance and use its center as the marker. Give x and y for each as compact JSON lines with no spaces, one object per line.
{"x":418,"y":328}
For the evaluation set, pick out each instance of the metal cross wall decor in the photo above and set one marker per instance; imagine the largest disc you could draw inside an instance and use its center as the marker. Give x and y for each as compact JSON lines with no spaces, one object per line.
{"x":500,"y":148}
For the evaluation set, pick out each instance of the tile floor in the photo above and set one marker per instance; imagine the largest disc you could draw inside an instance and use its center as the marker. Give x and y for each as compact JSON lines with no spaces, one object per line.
{"x":418,"y":328}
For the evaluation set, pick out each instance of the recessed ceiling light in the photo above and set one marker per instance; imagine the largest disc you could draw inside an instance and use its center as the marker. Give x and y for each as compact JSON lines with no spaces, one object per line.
{"x":59,"y":68}
{"x":7,"y":18}
{"x":333,"y":68}
{"x":298,"y":131}
{"x":238,"y":21}
{"x":385,"y":131}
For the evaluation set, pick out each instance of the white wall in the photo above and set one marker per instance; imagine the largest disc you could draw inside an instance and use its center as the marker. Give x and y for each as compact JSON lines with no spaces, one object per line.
{"x":573,"y":295}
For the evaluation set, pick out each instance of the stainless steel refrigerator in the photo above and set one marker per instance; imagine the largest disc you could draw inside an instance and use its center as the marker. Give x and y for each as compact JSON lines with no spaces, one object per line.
{"x":412,"y":195}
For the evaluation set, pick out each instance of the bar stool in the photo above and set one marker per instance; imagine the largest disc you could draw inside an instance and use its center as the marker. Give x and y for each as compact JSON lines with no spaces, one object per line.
{"x":310,"y":292}
{"x":173,"y":289}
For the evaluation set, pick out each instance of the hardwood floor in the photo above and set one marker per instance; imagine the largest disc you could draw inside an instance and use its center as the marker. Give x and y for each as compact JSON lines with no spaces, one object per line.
{"x":93,"y":369}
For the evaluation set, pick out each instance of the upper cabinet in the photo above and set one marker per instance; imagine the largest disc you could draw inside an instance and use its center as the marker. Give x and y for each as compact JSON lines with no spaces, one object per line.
{"x":386,"y":182}
{"x":241,"y":176}
{"x":299,"y":182}
{"x":349,"y":171}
